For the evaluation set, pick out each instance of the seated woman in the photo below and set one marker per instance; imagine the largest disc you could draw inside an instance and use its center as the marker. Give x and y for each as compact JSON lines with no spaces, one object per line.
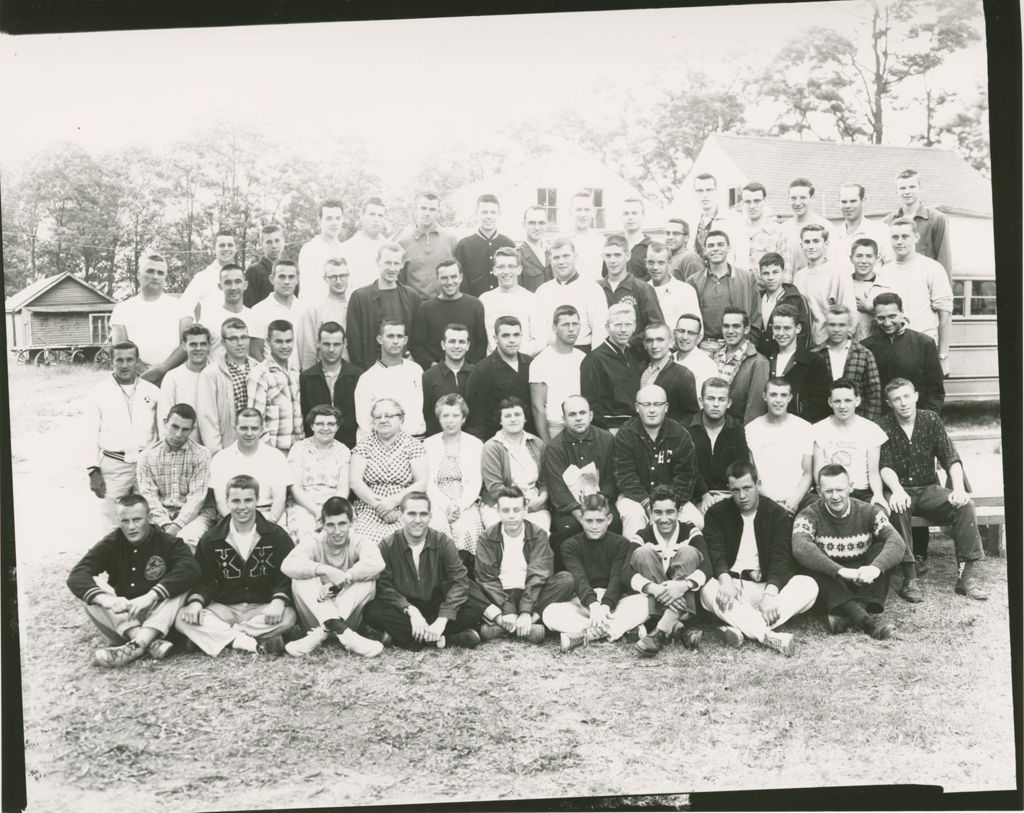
{"x":386,"y":465}
{"x":319,"y":471}
{"x":453,"y":480}
{"x":513,"y":458}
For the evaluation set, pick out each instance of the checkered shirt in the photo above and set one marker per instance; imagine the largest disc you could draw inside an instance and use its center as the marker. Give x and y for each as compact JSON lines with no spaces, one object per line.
{"x":239,"y":374}
{"x":274,"y":391}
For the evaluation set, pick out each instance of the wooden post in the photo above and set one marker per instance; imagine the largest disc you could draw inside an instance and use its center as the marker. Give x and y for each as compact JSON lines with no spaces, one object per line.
{"x":993,"y":539}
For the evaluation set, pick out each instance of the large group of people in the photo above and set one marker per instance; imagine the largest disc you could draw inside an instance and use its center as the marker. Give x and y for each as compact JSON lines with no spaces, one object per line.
{"x":425,"y":441}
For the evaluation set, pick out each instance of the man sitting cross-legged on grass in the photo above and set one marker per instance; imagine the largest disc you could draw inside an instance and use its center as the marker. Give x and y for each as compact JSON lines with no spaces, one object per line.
{"x":148,"y":572}
{"x":242,"y":597}
{"x":670,"y":566}
{"x":597,"y":559}
{"x":849,"y":547}
{"x":755,"y":589}
{"x":423,"y":593}
{"x":515,"y":571}
{"x":333,"y":577}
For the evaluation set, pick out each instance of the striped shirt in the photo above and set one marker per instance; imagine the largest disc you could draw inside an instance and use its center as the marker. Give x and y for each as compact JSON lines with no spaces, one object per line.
{"x":174,"y":483}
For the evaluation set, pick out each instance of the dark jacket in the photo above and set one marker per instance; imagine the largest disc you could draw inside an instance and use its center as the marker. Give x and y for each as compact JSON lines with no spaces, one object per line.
{"x":364,"y":314}
{"x":598,"y":563}
{"x":540,"y":564}
{"x":491,"y":381}
{"x":809,"y":377}
{"x":564,"y":450}
{"x":641,"y":464}
{"x":638,"y":294}
{"x":161,"y":563}
{"x":911,"y":355}
{"x":440,"y":380}
{"x":610,"y":380}
{"x":259,"y":286}
{"x":688,"y":533}
{"x":427,"y":333}
{"x":730,"y":447}
{"x":226,"y":579}
{"x":773,"y":529}
{"x":442,"y":580}
{"x":536,"y":270}
{"x":747,"y":385}
{"x":766,"y":345}
{"x":681,"y":388}
{"x":860,"y":368}
{"x":313,"y":391}
{"x":475,"y":254}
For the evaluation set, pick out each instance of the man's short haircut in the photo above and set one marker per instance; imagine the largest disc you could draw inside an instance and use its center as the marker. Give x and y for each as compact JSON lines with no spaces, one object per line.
{"x":713,"y":383}
{"x":843,"y":384}
{"x":617,"y":240}
{"x":533,"y":207}
{"x":505,"y":251}
{"x":851,"y":184}
{"x":583,"y":398}
{"x":732,"y":310}
{"x":223,"y":233}
{"x":389,"y":246}
{"x":905,"y":221}
{"x":507,"y":319}
{"x":564,"y":310}
{"x":595,"y":502}
{"x":512,"y":402}
{"x":888,"y":298}
{"x":428,"y":196}
{"x":454,"y":326}
{"x":230,"y":267}
{"x":621,"y":309}
{"x":772,"y":258}
{"x":391,"y":321}
{"x":559,"y":242}
{"x":243,"y":481}
{"x":446,"y":263}
{"x":786,"y":310}
{"x":414,"y":495}
{"x":907,"y":173}
{"x":741,"y":468}
{"x":896,"y":383}
{"x":323,"y":410}
{"x":864,"y":242}
{"x":510,"y":493}
{"x":330,"y":327}
{"x":271,"y":228}
{"x":280,"y":326}
{"x":839,"y":308}
{"x":635,"y":200}
{"x":832,"y":470}
{"x":451,"y":399}
{"x":658,"y":326}
{"x":186,"y":411}
{"x":335,"y":261}
{"x":125,"y":346}
{"x":248,"y":412}
{"x":374,"y":201}
{"x":336,"y":507}
{"x":717,"y":233}
{"x":330,"y":203}
{"x":128,"y":500}
{"x":706,"y":176}
{"x":682,"y":223}
{"x":488,"y":199}
{"x":696,"y":318}
{"x":755,"y":186}
{"x":152,"y":257}
{"x":285,"y":262}
{"x":660,"y":493}
{"x":195,"y":329}
{"x":778,"y":381}
{"x":583,"y":193}
{"x":814,"y":227}
{"x":657,"y":247}
{"x":232,"y":323}
{"x":802,"y":182}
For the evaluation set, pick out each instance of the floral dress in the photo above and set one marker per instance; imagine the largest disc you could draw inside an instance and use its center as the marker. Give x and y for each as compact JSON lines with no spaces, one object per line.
{"x":318,"y":472}
{"x":388,"y":472}
{"x":467,"y":528}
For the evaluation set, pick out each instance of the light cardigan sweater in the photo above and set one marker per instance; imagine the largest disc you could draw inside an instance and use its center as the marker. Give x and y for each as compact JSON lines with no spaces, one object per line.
{"x":470,"y":451}
{"x":361,"y":558}
{"x":496,"y":467}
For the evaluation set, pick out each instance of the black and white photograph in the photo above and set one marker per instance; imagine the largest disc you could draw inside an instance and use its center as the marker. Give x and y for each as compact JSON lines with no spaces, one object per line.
{"x":592,"y":404}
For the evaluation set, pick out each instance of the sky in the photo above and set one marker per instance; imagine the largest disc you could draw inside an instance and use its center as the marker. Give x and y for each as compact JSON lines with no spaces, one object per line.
{"x":376,"y":80}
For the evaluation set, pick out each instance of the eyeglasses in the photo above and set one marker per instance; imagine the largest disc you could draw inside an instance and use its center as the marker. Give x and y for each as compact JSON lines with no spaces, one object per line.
{"x":335,"y":277}
{"x":676,"y":234}
{"x":681,"y":332}
{"x":387,"y":416}
{"x":536,"y":223}
{"x":649,"y":404}
{"x":236,"y":338}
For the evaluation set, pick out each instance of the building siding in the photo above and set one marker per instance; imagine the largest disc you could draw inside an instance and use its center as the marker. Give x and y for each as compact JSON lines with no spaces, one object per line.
{"x":69,"y":292}
{"x":60,"y":329}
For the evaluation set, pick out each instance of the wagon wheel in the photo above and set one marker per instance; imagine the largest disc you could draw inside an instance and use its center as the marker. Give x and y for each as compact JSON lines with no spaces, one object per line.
{"x":24,"y":356}
{"x":76,"y":357}
{"x":46,"y":358}
{"x":101,"y":359}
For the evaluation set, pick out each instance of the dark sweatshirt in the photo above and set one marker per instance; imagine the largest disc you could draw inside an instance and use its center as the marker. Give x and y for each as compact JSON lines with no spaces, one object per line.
{"x":598,"y":563}
{"x":434,"y":314}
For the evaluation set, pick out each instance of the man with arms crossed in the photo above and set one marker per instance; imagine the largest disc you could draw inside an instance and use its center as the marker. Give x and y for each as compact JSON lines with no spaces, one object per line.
{"x":555,"y":374}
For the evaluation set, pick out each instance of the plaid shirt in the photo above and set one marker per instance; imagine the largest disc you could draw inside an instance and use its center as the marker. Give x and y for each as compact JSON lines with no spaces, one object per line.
{"x":913,"y":459}
{"x":862,"y":370}
{"x":274,"y":391}
{"x":174,"y":483}
{"x":239,"y":383}
{"x":728,"y":365}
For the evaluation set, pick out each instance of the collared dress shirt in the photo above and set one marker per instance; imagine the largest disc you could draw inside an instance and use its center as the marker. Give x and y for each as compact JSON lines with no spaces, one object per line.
{"x":174,"y":481}
{"x":274,"y":391}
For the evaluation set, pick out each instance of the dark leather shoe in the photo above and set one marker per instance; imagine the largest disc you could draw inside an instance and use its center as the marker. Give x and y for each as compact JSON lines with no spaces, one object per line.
{"x":838,"y":623}
{"x":651,"y":645}
{"x":911,"y":591}
{"x":971,"y":588}
{"x":878,"y":629}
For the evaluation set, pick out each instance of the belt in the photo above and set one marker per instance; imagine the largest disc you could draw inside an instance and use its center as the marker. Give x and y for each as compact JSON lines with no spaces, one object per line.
{"x":114,"y":455}
{"x":748,"y":575}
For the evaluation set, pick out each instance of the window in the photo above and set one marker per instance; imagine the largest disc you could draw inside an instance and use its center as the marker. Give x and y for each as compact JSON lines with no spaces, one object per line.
{"x":99,"y":327}
{"x":974,"y":298}
{"x":958,"y":297}
{"x":547,"y":199}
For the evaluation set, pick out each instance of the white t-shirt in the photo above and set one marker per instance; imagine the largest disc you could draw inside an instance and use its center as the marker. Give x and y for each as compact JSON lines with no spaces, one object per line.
{"x":746,"y":556}
{"x":521,"y":304}
{"x":267,"y":464}
{"x":589,"y":254}
{"x":700,"y":364}
{"x":200,"y":287}
{"x":152,"y":325}
{"x":849,"y":445}
{"x":778,"y":450}
{"x":312,"y":258}
{"x":676,"y":298}
{"x":241,"y":542}
{"x":561,"y":372}
{"x":360,"y":253}
{"x":212,"y":314}
{"x":265,"y":312}
{"x":179,"y":386}
{"x":513,"y":562}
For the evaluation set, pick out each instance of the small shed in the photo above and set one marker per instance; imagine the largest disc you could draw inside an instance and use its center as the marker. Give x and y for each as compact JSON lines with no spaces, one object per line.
{"x":60,"y":311}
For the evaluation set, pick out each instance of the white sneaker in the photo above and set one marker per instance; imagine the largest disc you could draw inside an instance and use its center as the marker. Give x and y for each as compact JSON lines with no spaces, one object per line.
{"x":781,"y":642}
{"x":244,"y":642}
{"x":305,"y":645}
{"x":730,"y":636}
{"x":357,"y":644}
{"x":568,"y":642}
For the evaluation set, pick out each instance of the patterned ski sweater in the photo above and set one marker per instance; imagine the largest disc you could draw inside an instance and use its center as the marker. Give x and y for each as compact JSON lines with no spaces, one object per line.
{"x":824,"y":543}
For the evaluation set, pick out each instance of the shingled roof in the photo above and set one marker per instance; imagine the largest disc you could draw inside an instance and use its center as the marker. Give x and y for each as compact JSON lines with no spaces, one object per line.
{"x":948,"y":182}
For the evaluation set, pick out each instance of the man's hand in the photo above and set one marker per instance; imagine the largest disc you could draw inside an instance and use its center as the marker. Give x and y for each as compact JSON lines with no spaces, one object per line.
{"x":944,"y":364}
{"x":599,"y":616}
{"x":508,"y":622}
{"x":868,"y":573}
{"x":537,"y":503}
{"x":727,"y":593}
{"x":453,"y":513}
{"x":391,"y":517}
{"x":97,"y":485}
{"x":172,"y":528}
{"x":190,"y":612}
{"x":335,"y":575}
{"x":958,"y":498}
{"x":274,"y":613}
{"x":789,"y":505}
{"x":849,"y":573}
{"x":388,"y":504}
{"x":658,"y":592}
{"x":879,"y":500}
{"x":676,"y":590}
{"x":142,"y":603}
{"x":707,"y":501}
{"x":865,"y":303}
{"x":418,"y":623}
{"x":899,"y":501}
{"x":435,"y":630}
{"x":523,"y":624}
{"x":770,"y":608}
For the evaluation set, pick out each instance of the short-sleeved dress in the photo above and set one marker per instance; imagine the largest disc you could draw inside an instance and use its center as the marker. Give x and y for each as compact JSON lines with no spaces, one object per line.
{"x":467,"y":528}
{"x":319,"y":472}
{"x":388,"y":472}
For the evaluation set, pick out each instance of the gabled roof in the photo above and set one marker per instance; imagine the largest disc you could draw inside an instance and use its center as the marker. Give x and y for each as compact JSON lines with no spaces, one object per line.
{"x":948,"y":182}
{"x":41,"y":286}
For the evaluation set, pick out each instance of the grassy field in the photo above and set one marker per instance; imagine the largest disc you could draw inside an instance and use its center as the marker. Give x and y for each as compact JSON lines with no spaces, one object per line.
{"x":506,"y":721}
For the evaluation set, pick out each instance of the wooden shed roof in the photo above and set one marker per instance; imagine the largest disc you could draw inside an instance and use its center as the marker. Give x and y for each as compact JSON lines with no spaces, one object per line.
{"x":27,"y":295}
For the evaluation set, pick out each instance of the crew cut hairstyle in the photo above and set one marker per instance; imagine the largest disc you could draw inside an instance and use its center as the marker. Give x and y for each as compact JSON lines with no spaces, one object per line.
{"x":717,"y":233}
{"x":507,"y":319}
{"x":128,"y":500}
{"x":564,"y":310}
{"x":778,"y":381}
{"x":279,"y":326}
{"x":864,"y":242}
{"x":616,"y":240}
{"x":336,"y":507}
{"x":330,"y":327}
{"x":772,"y":258}
{"x":488,"y":199}
{"x":186,"y":411}
{"x":286,"y":262}
{"x":271,"y":228}
{"x":843,"y":384}
{"x":374,"y":201}
{"x":706,"y":176}
{"x":741,"y":468}
{"x":713,"y":383}
{"x":595,"y":502}
{"x":832,"y":470}
{"x":414,"y":495}
{"x":852,"y":185}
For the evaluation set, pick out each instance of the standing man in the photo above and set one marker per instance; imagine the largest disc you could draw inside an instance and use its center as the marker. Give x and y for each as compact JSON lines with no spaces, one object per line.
{"x":674,"y":297}
{"x":610,"y":375}
{"x":152,"y":321}
{"x":569,"y":288}
{"x":120,"y":421}
{"x":223,"y":387}
{"x":386,"y":297}
{"x":257,"y":276}
{"x":587,"y":240}
{"x":360,"y":250}
{"x":533,"y":251}
{"x":181,"y":385}
{"x":621,"y":286}
{"x":476,"y":252}
{"x":755,"y":588}
{"x":555,"y":374}
{"x":174,"y":477}
{"x":775,"y":292}
{"x":718,"y":442}
{"x":900,"y":352}
{"x":866,"y":284}
{"x":425,"y":244}
{"x":273,"y":390}
{"x":855,"y":226}
{"x":392,"y":376}
{"x":675,"y":379}
{"x":248,"y":456}
{"x":764,"y":235}
{"x":510,"y":298}
{"x":212,"y":312}
{"x":503,"y":374}
{"x":924,"y":289}
{"x":738,"y":363}
{"x":688,"y":332}
{"x":782,"y":448}
{"x":930,"y":224}
{"x":281,"y":305}
{"x":332,"y":308}
{"x":636,"y":241}
{"x":449,"y":306}
{"x":807,"y":373}
{"x":682,"y":264}
{"x":204,"y":283}
{"x":822,"y":284}
{"x":851,"y":361}
{"x":720,"y":286}
{"x":331,"y":381}
{"x":451,"y":376}
{"x":705,"y":190}
{"x":801,"y":195}
{"x":319,"y":249}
